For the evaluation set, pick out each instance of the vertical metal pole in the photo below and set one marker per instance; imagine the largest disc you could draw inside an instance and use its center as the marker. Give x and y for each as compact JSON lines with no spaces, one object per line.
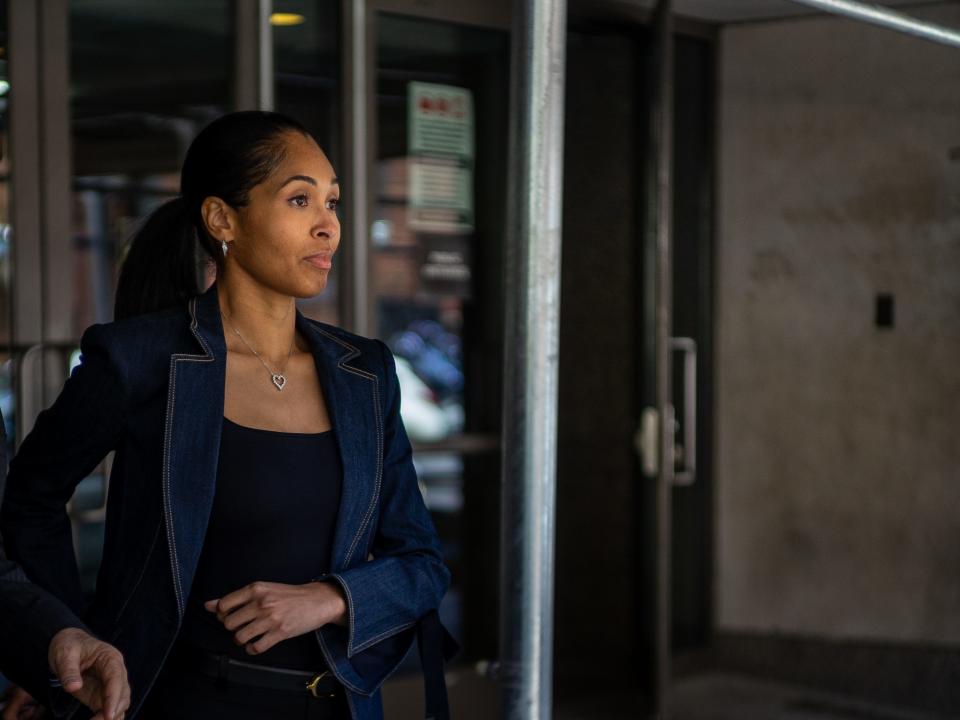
{"x":531,"y":359}
{"x":265,"y":55}
{"x":57,"y":232}
{"x":356,"y":50}
{"x":101,"y":266}
{"x":253,"y":55}
{"x":661,"y":226}
{"x":26,"y":191}
{"x":25,"y":54}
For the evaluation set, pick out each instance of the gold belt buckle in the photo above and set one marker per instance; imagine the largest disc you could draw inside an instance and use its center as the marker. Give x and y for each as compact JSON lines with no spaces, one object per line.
{"x":312,"y":685}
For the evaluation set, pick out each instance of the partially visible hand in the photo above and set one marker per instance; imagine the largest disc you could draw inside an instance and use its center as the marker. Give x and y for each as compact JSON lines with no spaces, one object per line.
{"x":273,"y":612}
{"x":20,"y":705}
{"x":92,"y":671}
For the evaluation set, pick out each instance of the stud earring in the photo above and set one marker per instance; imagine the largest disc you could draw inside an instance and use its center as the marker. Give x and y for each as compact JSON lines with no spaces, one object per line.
{"x":223,"y":246}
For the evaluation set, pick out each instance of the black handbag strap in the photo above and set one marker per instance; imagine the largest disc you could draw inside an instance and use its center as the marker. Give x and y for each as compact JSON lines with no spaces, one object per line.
{"x":436,"y":646}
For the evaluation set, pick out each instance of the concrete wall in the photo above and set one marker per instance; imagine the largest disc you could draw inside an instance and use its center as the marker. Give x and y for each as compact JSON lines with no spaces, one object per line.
{"x":838,"y":443}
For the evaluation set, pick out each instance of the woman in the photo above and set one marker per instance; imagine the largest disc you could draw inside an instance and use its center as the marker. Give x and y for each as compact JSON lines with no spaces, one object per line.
{"x":267,"y":550}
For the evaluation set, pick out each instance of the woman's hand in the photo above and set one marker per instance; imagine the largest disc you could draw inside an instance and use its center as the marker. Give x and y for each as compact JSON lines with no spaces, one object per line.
{"x":273,"y":612}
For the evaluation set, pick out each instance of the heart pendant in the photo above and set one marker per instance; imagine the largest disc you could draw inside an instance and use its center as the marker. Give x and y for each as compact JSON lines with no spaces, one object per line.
{"x":279,"y":381}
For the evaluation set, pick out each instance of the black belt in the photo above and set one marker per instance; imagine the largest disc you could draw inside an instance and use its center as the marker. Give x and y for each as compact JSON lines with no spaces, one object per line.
{"x":224,"y":669}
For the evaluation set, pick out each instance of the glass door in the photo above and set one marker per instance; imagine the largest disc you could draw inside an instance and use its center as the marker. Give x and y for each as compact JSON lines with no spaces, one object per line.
{"x":144,"y":80}
{"x":436,"y":212}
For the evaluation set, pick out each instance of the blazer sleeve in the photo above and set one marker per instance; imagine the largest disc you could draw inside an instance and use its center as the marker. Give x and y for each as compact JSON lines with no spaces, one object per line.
{"x":407,"y":577}
{"x":68,"y":440}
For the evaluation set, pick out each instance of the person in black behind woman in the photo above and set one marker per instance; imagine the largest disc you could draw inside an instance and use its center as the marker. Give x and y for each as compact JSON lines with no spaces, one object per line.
{"x":267,"y":553}
{"x":38,"y":633}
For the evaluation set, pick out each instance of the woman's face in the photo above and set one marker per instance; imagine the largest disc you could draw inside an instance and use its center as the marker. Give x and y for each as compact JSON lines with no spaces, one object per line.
{"x":289,"y":230}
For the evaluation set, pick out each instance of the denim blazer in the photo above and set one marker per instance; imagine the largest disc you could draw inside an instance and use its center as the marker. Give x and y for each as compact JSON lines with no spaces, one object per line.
{"x":152,"y":389}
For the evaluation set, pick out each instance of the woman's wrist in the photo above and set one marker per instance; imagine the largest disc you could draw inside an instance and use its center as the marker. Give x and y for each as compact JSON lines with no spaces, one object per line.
{"x":337,"y":598}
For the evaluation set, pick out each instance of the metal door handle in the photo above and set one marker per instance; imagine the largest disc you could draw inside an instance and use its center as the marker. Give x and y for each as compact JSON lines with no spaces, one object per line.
{"x":645,"y":441}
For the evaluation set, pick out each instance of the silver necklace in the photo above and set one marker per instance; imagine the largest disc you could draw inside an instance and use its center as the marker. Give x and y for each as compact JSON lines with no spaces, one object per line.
{"x":278,"y":378}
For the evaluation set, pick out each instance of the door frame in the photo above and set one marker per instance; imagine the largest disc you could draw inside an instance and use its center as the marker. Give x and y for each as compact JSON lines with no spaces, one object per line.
{"x":358,"y":61}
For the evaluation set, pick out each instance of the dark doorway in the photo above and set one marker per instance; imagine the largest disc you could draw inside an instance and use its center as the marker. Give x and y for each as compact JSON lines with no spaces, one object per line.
{"x":605,"y":506}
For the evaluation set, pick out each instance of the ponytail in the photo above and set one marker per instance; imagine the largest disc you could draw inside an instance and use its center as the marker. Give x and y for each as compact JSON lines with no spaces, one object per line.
{"x":165,"y":263}
{"x":163,"y":266}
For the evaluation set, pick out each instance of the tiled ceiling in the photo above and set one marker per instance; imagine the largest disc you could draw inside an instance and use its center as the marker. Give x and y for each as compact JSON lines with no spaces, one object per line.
{"x":725,"y":11}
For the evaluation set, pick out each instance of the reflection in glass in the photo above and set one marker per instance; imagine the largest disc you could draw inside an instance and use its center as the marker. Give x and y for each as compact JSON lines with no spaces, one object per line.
{"x":307,"y":87}
{"x":438,"y":189}
{"x":6,"y":382}
{"x":145,"y":78}
{"x":424,"y":231}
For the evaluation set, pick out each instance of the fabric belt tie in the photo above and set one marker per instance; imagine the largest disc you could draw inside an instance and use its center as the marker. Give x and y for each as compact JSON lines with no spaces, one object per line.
{"x":436,"y":646}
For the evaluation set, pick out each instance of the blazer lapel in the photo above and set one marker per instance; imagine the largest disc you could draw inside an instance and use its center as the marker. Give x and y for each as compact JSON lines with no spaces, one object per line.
{"x":353,"y":402}
{"x":191,"y":445}
{"x":194,"y":420}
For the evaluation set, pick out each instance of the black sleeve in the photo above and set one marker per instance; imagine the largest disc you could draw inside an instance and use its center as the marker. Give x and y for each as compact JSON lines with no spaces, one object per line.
{"x":29,"y":619}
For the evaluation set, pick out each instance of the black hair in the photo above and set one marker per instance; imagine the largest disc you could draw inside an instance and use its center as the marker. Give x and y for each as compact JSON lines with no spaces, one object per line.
{"x":227,"y":159}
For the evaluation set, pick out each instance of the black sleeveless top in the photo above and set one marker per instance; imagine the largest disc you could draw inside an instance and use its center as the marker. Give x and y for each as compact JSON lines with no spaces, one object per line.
{"x":273,"y":517}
